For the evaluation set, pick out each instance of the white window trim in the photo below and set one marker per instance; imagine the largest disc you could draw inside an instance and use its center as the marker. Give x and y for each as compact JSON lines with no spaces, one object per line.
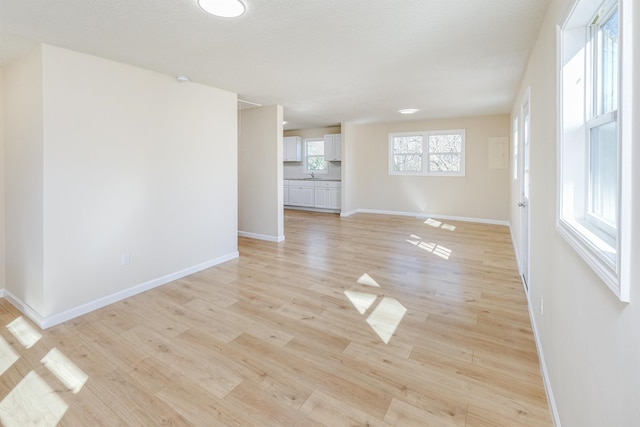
{"x":425,"y":153}
{"x":514,"y":148}
{"x":306,"y":164}
{"x":613,"y":269}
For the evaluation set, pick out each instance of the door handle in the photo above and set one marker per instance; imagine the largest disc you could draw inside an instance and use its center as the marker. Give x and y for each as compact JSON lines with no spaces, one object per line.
{"x":521,"y":204}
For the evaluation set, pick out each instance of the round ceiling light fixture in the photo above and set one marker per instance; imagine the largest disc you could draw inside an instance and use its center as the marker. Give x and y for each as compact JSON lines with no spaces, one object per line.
{"x":408,"y":111}
{"x":223,"y":8}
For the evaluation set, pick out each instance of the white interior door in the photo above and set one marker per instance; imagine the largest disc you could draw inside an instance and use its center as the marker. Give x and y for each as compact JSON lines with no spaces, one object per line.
{"x":524,"y":192}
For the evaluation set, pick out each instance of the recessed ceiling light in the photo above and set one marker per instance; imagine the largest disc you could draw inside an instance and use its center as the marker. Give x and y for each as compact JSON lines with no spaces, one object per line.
{"x":408,"y":111}
{"x":284,"y":122}
{"x":223,"y":8}
{"x":182,"y":79}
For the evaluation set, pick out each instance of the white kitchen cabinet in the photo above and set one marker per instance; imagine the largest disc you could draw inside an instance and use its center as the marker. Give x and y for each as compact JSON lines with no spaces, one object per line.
{"x":333,"y":147}
{"x":321,"y":197}
{"x":313,"y":194}
{"x":301,"y":193}
{"x":327,"y":194}
{"x":334,"y":198}
{"x":285,"y":192}
{"x":292,"y":151}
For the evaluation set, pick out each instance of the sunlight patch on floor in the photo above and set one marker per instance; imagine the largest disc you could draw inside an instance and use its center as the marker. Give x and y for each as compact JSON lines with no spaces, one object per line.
{"x":32,"y":403}
{"x":434,"y":248}
{"x":432,"y":222}
{"x":438,"y":224}
{"x":386,"y":317}
{"x":7,"y":356}
{"x":65,"y":370}
{"x":362,"y":301}
{"x":441,"y":251}
{"x":367,"y":280}
{"x":24,"y":332}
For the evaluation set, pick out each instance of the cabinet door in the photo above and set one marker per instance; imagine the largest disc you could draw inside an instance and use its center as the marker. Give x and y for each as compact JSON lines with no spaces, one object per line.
{"x":322,"y":198}
{"x":285,"y":194}
{"x":337,"y":148}
{"x":294,"y":195}
{"x":328,"y":147}
{"x":292,"y":150}
{"x":301,"y":193}
{"x":334,"y":198}
{"x":333,"y":147}
{"x":306,"y":196}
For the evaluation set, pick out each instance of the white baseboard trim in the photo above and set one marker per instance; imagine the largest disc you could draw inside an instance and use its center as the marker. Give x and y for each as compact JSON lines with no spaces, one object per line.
{"x":257,"y":236}
{"x":23,"y":308}
{"x":310,"y":209}
{"x":555,"y":415}
{"x":349,"y":213}
{"x":49,"y":321}
{"x":516,"y":253}
{"x":424,"y":215}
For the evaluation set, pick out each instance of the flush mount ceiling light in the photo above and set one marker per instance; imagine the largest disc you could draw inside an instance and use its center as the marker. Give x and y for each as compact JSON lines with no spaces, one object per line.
{"x":223,"y":8}
{"x":408,"y":111}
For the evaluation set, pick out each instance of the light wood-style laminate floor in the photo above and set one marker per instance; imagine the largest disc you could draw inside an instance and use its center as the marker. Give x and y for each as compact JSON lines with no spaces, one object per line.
{"x":369,"y":320}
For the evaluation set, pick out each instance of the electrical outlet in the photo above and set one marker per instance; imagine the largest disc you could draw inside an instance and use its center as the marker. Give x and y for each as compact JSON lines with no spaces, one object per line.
{"x":125,"y":258}
{"x":541,"y":306}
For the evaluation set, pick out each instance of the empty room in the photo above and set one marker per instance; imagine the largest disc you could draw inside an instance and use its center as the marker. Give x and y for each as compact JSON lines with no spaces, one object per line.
{"x":319,"y":213}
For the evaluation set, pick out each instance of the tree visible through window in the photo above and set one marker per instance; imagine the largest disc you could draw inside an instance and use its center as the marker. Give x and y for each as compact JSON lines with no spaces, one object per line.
{"x":445,"y":152}
{"x":314,"y":156}
{"x":407,"y":153}
{"x":427,"y":153}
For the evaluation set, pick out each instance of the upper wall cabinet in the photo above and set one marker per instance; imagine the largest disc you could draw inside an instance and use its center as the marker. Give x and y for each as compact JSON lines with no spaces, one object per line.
{"x":333,"y":147}
{"x":292,"y":149}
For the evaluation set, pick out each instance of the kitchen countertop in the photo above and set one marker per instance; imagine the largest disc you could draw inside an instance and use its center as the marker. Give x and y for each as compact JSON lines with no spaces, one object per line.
{"x":312,"y":179}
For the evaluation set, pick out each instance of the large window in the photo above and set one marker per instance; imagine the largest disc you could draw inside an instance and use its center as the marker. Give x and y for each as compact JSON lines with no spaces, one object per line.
{"x":514,"y":150}
{"x":602,"y":122}
{"x":427,"y":153}
{"x":591,"y":142}
{"x":314,"y":156}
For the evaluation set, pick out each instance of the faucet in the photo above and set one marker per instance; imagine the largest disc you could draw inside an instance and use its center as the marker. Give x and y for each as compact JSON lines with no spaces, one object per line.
{"x":313,"y":175}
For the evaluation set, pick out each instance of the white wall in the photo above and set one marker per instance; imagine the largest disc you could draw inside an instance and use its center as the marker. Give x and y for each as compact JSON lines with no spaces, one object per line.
{"x":2,"y":169}
{"x":590,"y":340}
{"x":260,"y":203}
{"x":482,"y":193}
{"x":24,"y":177}
{"x":132,"y":162}
{"x":348,"y":201}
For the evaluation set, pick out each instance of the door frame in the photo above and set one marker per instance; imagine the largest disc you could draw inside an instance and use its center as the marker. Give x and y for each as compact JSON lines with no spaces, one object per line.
{"x":525,"y":186}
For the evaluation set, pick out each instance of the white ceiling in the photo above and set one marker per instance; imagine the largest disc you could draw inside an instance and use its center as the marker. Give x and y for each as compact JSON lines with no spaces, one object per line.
{"x":325,"y":61}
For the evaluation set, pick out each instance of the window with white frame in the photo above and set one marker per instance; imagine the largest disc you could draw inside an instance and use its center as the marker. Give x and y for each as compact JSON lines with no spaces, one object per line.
{"x":427,"y":153}
{"x":514,"y":150}
{"x":591,"y":142}
{"x":314,"y":161}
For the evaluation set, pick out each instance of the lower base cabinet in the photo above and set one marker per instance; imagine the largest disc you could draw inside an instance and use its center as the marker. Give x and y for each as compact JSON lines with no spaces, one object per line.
{"x":301,"y":193}
{"x":312,"y":194}
{"x":327,"y":195}
{"x":285,"y":192}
